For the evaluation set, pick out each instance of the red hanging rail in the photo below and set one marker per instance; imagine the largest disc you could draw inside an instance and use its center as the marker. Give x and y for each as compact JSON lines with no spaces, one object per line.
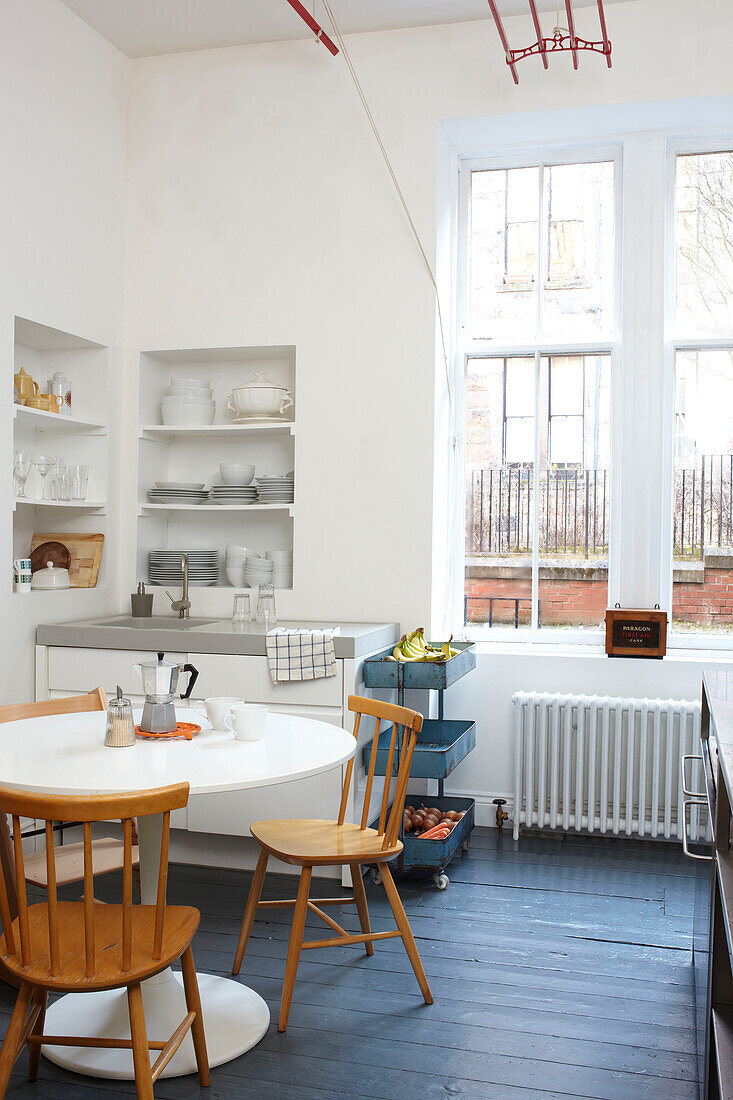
{"x":504,"y":42}
{"x":559,"y":41}
{"x":314,"y":26}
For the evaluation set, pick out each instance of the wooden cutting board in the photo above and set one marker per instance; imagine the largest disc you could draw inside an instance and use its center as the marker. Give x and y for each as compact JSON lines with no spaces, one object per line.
{"x":85,"y":551}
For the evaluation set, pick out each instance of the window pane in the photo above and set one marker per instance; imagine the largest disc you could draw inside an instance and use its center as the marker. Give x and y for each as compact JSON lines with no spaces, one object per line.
{"x":578,"y":291}
{"x":704,"y":244}
{"x":498,"y":584}
{"x":702,"y":594}
{"x":504,"y":241}
{"x":519,"y":374}
{"x":574,"y":492}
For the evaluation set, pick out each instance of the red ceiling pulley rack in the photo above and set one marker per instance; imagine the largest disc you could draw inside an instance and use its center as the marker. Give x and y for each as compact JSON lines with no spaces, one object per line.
{"x":563,"y":38}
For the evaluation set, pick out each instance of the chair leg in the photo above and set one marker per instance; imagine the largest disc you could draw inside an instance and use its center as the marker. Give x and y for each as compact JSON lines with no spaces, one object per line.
{"x":294,"y":946}
{"x":361,"y":904}
{"x":408,"y":939}
{"x":9,"y":1051}
{"x":193,"y":1004}
{"x":250,"y":910}
{"x":40,"y":996}
{"x":140,"y":1049}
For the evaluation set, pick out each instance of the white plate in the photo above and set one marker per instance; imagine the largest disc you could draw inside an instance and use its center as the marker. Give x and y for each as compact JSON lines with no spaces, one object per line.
{"x":261,"y":420}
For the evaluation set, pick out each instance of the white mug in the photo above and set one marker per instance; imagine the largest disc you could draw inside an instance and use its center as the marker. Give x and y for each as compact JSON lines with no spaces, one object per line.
{"x":217,"y":708}
{"x":247,"y":721}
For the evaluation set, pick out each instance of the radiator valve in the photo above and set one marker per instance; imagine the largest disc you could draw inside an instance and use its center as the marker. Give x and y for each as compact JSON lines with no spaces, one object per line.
{"x":501,"y":814}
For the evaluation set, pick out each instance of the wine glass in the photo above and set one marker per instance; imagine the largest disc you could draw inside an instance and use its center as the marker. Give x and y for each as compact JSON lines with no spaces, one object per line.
{"x":21,"y":469}
{"x":44,"y":464}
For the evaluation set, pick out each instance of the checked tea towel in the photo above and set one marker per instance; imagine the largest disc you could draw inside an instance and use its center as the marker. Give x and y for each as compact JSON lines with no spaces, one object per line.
{"x":300,"y":654}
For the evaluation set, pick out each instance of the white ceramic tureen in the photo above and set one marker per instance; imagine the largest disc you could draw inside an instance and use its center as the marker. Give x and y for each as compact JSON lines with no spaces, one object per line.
{"x":259,"y":398}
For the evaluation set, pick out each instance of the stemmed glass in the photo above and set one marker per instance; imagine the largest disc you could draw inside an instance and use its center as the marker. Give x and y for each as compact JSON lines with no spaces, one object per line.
{"x":44,"y":464}
{"x":21,"y":469}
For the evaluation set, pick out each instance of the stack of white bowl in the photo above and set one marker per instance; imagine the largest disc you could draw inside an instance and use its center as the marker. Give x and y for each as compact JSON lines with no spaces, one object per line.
{"x":236,"y":556}
{"x":257,"y":570}
{"x":282,"y":567}
{"x":188,"y":402}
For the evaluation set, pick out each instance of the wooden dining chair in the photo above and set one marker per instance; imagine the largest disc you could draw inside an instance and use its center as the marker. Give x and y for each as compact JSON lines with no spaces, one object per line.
{"x":308,"y":844}
{"x":108,"y":851}
{"x":85,"y":946}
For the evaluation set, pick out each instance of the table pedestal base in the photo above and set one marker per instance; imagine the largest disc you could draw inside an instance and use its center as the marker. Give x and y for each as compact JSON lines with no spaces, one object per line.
{"x":235,"y":1019}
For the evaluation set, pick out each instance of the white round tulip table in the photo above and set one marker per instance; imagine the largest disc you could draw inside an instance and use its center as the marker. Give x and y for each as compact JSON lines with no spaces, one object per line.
{"x":65,"y":754}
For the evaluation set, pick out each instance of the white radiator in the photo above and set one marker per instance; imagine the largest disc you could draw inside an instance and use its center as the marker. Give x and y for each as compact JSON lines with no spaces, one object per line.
{"x":605,"y":764}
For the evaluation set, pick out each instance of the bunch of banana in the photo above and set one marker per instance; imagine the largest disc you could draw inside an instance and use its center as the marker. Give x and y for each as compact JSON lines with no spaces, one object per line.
{"x":413,"y":647}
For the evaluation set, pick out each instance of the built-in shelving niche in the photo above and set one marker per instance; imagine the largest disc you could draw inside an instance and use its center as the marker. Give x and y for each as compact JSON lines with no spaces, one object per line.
{"x":80,"y":437}
{"x":191,"y":454}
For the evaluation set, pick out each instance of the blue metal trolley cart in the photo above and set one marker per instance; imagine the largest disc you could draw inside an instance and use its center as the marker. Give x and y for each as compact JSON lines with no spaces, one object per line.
{"x":441,"y":745}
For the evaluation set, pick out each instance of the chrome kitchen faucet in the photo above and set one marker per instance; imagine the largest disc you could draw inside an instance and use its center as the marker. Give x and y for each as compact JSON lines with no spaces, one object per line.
{"x":182,"y":606}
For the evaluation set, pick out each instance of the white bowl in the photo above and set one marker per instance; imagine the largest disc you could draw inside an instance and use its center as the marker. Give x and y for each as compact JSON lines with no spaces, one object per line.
{"x":187,"y":401}
{"x":233,"y":474}
{"x":193,"y":416}
{"x":180,"y":391}
{"x":235,"y":575}
{"x":196,"y":383}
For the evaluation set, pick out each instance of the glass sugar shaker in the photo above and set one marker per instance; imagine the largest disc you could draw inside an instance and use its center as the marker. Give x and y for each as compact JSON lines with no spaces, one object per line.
{"x":120,"y":729}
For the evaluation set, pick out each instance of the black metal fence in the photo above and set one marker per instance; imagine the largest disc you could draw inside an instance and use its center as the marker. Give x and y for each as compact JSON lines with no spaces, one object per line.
{"x":703,"y":506}
{"x":574,"y":510}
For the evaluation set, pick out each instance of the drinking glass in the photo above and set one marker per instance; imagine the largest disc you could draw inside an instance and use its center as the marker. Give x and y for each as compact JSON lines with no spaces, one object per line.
{"x":78,"y":481}
{"x":21,"y":469}
{"x":266,"y":613}
{"x":242,"y":612}
{"x":44,"y":463}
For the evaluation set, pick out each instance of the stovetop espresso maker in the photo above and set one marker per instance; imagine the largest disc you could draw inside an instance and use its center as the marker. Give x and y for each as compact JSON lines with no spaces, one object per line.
{"x":160,"y":679}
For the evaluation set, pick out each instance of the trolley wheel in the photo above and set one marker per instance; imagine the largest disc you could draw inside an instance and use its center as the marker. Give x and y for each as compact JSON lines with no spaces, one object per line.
{"x":376,"y":875}
{"x":440,"y":880}
{"x":465,"y":845}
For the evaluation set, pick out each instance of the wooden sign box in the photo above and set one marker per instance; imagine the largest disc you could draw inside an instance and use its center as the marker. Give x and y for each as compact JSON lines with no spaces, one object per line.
{"x":636,"y":632}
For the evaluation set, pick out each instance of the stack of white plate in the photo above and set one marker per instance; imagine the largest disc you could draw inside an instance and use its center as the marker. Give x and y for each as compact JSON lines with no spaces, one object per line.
{"x":233,"y":494}
{"x":178,"y":492}
{"x":235,"y":559}
{"x":275,"y":490}
{"x":282,"y":567}
{"x":165,"y":566}
{"x":188,"y":402}
{"x":257,"y":570}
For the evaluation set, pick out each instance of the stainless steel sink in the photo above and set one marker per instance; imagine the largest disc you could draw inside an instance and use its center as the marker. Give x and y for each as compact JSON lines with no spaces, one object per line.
{"x":154,"y":622}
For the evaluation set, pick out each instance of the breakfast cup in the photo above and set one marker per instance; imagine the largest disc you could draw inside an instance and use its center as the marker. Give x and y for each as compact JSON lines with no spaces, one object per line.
{"x":247,"y":721}
{"x":217,"y":708}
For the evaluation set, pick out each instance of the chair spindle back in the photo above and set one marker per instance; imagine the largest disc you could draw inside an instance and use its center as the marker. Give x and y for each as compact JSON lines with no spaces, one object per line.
{"x":409,"y":722}
{"x":56,"y":808}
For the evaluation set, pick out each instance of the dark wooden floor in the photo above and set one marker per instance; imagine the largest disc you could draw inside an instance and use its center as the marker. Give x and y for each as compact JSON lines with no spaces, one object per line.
{"x":560,"y":968}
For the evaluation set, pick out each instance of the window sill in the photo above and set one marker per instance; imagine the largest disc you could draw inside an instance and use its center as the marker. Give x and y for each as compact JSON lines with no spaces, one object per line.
{"x":678,"y":652}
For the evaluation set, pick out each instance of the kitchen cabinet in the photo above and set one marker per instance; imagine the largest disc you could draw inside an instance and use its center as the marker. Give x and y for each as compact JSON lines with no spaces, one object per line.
{"x":713,"y":953}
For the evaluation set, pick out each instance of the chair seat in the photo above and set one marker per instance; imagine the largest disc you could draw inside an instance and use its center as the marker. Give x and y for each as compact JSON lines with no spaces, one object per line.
{"x":107,"y":855}
{"x":314,"y":842}
{"x":180,"y":926}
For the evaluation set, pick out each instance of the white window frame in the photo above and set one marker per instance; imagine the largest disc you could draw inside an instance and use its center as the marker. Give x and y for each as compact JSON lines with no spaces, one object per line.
{"x":644,"y":140}
{"x":468,"y":348}
{"x":680,"y":146}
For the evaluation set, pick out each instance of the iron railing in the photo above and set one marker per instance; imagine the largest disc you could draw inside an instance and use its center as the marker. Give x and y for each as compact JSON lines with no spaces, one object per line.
{"x":703,"y":506}
{"x":574,"y":510}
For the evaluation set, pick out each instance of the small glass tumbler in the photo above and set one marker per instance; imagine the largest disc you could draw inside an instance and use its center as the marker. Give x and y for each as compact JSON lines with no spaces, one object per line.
{"x":78,"y":481}
{"x":119,"y":732}
{"x":266,"y":613}
{"x":242,"y":611}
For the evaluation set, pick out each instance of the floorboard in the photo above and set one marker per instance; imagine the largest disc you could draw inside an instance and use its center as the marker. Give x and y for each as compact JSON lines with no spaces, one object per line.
{"x":560,"y":966}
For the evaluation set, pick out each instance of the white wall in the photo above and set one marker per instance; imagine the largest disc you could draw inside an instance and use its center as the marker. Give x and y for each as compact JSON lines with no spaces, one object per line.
{"x":63,"y":115}
{"x":262,"y":214}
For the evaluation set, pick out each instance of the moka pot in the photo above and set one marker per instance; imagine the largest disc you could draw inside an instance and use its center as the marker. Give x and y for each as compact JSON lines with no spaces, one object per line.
{"x":160,"y":679}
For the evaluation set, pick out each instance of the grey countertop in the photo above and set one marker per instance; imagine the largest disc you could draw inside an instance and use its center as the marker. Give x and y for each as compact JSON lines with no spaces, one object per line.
{"x":719,"y":694}
{"x":198,"y":635}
